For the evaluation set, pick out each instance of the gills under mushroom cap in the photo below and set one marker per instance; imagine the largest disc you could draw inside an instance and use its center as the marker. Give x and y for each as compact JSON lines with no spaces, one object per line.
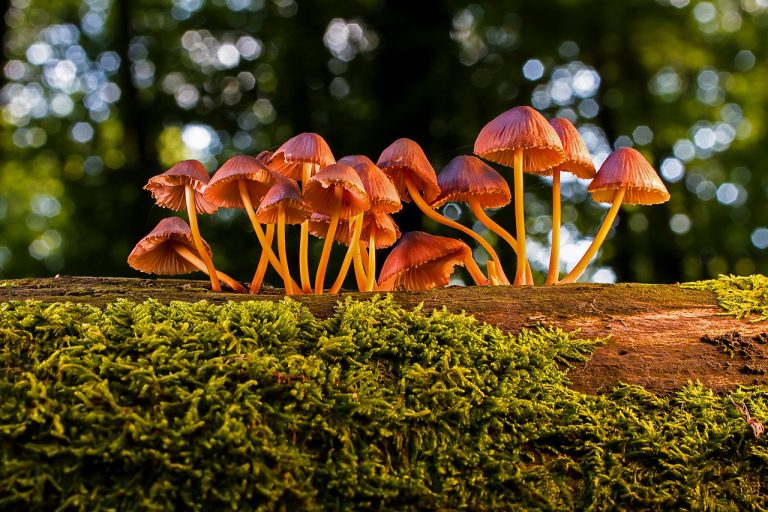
{"x":154,"y":254}
{"x":319,"y":191}
{"x":168,"y":188}
{"x":284,"y":192}
{"x":404,"y":159}
{"x":223,"y":190}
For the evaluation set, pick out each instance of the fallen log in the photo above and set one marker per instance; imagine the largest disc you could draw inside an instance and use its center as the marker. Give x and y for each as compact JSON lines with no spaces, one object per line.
{"x":658,"y":336}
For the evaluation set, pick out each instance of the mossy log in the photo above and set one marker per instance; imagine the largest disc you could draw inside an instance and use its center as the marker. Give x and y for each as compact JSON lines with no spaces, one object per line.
{"x":659,"y":336}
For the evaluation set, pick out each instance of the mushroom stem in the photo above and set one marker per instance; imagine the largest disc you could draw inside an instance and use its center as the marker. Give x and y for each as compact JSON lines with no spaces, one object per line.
{"x":351,"y":251}
{"x":261,"y":269}
{"x":200,"y":264}
{"x":306,"y":284}
{"x":474,"y":270}
{"x":360,"y":275}
{"x":281,"y":249}
{"x":432,"y":214}
{"x":489,"y":223}
{"x":519,"y":218}
{"x":554,"y":254}
{"x":323,"y":264}
{"x":266,"y":247}
{"x":605,"y":227}
{"x":189,"y":195}
{"x":371,"y":261}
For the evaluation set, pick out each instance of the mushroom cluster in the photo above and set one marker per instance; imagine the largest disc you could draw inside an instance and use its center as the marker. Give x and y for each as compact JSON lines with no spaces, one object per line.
{"x":351,"y":201}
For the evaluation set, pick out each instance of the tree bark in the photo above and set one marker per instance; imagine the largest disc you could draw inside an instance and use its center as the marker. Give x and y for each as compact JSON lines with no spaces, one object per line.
{"x":654,"y":332}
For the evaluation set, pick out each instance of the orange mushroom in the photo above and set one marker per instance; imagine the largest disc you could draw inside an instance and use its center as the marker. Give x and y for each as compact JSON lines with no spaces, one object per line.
{"x":625,"y":177}
{"x":170,"y":249}
{"x":335,"y":191}
{"x":181,"y":187}
{"x":283,"y":205}
{"x":523,"y":139}
{"x":409,"y":169}
{"x":579,"y":163}
{"x":384,"y":199}
{"x":421,"y":261}
{"x":379,"y":232}
{"x":299,"y":158}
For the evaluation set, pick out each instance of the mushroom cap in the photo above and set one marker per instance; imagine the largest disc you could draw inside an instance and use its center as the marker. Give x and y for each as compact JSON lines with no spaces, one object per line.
{"x":385,"y":229}
{"x":421,"y":261}
{"x":380,"y":190}
{"x":468,"y":177}
{"x":223,"y":189}
{"x":168,"y":188}
{"x":304,"y":148}
{"x":627,"y":167}
{"x":578,"y":161}
{"x":405,"y":158}
{"x":284,"y":192}
{"x":520,"y":128}
{"x":319,"y":224}
{"x":319,"y":191}
{"x":154,"y":254}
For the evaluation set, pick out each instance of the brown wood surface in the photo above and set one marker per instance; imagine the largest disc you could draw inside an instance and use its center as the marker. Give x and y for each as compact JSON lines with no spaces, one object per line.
{"x":655,"y":330}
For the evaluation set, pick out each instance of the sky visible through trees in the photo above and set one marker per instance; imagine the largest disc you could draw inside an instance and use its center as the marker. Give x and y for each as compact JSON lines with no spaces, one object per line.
{"x":99,"y":95}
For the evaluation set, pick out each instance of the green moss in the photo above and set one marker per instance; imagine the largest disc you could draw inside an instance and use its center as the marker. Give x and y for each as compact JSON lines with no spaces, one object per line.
{"x":262,"y":406}
{"x":740,"y":296}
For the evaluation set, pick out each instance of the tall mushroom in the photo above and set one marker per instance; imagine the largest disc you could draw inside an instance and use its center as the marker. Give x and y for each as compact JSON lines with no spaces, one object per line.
{"x":299,"y":158}
{"x":421,"y":261}
{"x":523,"y":139}
{"x":577,"y":162}
{"x":181,"y":187}
{"x":469,"y":180}
{"x":335,"y":191}
{"x":384,"y":200}
{"x":625,"y":177}
{"x":409,"y":169}
{"x":170,"y":249}
{"x":379,"y":232}
{"x":283,"y":205}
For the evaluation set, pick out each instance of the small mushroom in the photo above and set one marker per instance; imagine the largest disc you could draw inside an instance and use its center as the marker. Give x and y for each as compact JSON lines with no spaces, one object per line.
{"x":181,"y":187}
{"x":421,"y":261}
{"x":170,"y":249}
{"x":283,"y":205}
{"x":409,"y":169}
{"x":523,"y":139}
{"x":625,"y":177}
{"x":335,"y":191}
{"x":577,"y":162}
{"x":299,"y":158}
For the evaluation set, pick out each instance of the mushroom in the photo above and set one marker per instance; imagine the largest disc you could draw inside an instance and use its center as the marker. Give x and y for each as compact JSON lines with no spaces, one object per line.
{"x":421,"y":261}
{"x":283,"y":205}
{"x":384,"y":199}
{"x":335,"y":191}
{"x":579,"y":163}
{"x":170,"y":249}
{"x":299,"y":158}
{"x":625,"y":177}
{"x":469,"y":180}
{"x":523,"y":139}
{"x":409,"y":169}
{"x":241,"y":182}
{"x":379,"y":232}
{"x":181,"y":187}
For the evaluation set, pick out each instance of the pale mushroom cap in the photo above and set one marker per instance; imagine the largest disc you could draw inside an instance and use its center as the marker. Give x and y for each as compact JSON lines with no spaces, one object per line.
{"x":380,"y":190}
{"x":154,"y":254}
{"x":284,"y":192}
{"x":468,"y":177}
{"x":168,"y":188}
{"x":305,"y":148}
{"x":627,"y":167}
{"x":578,"y":161}
{"x":405,"y":158}
{"x":520,"y":128}
{"x":384,"y":227}
{"x":319,"y":191}
{"x":421,"y":261}
{"x":224,"y":191}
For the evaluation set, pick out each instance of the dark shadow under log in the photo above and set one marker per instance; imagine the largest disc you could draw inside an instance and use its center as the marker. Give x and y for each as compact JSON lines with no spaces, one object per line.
{"x":655,"y":331}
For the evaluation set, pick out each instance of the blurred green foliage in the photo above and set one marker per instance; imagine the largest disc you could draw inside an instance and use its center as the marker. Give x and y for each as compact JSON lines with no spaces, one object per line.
{"x":100,"y":95}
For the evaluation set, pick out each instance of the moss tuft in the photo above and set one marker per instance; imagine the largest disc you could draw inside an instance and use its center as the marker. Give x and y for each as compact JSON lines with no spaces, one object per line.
{"x":262,"y":406}
{"x":740,"y":296}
